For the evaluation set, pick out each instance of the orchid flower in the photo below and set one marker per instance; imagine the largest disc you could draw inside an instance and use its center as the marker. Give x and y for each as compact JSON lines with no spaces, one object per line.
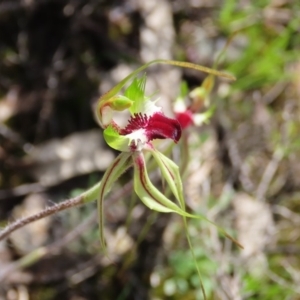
{"x":189,"y":115}
{"x":146,"y":123}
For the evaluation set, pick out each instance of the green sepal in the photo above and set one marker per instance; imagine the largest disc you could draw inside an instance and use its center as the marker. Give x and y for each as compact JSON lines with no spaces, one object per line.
{"x":149,"y":194}
{"x":113,"y":172}
{"x":156,"y":200}
{"x":143,"y":187}
{"x":170,"y":172}
{"x":136,"y":92}
{"x":120,"y":103}
{"x":115,"y":140}
{"x":141,"y":103}
{"x":111,"y":93}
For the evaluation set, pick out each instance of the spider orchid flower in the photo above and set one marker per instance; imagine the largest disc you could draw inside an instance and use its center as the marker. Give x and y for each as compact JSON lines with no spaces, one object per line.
{"x":146,"y":123}
{"x":189,"y":115}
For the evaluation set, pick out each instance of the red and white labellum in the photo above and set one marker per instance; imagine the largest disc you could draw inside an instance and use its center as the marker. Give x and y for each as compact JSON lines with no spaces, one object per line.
{"x":143,"y":129}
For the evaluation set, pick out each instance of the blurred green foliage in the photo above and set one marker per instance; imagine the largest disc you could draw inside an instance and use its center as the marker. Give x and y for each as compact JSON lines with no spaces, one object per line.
{"x":266,"y":50}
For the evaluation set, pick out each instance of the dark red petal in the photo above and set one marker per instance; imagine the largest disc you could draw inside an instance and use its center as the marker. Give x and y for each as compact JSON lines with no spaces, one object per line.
{"x":185,"y":118}
{"x":158,"y":126}
{"x":162,"y":127}
{"x":136,"y":122}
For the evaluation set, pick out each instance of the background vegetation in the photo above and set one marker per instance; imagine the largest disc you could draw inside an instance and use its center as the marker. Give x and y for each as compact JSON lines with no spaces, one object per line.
{"x":57,"y":57}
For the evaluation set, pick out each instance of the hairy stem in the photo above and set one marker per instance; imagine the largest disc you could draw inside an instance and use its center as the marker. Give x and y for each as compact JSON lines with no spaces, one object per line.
{"x":55,"y":247}
{"x":40,"y":215}
{"x":88,"y":196}
{"x":41,"y":252}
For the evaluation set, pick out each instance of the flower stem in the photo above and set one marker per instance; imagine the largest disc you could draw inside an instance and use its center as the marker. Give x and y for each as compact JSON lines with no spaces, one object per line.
{"x":87,"y":196}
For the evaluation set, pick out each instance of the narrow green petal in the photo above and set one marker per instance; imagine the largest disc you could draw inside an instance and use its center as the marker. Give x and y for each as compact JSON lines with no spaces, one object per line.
{"x":111,"y":93}
{"x":113,"y":172}
{"x":115,"y":140}
{"x":144,"y":188}
{"x":149,"y":194}
{"x":155,"y":200}
{"x":181,"y":64}
{"x":136,"y":90}
{"x":170,"y":172}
